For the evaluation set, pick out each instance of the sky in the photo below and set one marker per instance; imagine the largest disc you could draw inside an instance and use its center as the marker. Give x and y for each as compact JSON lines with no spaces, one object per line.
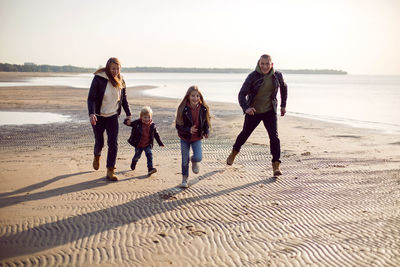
{"x":357,"y":36}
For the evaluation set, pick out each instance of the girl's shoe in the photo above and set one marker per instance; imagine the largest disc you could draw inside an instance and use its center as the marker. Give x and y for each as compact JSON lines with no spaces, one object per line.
{"x":184,"y":183}
{"x":195,"y":166}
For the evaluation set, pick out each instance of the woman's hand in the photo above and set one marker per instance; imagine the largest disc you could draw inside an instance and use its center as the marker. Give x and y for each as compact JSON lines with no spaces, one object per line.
{"x":93,"y":119}
{"x":128,"y":120}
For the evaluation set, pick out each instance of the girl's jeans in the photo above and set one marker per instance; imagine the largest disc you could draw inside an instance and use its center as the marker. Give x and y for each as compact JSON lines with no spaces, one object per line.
{"x":185,"y":151}
{"x":110,"y":125}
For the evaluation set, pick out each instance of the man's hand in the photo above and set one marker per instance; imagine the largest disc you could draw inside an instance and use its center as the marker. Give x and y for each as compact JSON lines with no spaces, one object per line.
{"x":283,"y":111}
{"x":250,"y":111}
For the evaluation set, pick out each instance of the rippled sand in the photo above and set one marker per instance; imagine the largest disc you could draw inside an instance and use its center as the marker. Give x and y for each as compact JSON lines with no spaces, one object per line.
{"x":336,"y":204}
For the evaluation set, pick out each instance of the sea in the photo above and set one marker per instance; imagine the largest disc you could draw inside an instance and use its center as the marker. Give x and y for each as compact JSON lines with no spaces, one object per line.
{"x":362,"y":101}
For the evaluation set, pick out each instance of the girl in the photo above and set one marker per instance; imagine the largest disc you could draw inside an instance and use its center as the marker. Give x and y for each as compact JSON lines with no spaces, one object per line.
{"x":192,"y":122}
{"x":107,"y":95}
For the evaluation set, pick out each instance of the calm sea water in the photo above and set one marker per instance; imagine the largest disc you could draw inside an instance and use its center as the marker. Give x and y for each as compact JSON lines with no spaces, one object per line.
{"x":357,"y":100}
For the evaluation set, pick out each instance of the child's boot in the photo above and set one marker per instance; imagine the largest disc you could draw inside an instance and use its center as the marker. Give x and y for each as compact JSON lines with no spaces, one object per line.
{"x":110,"y":174}
{"x":184,"y":183}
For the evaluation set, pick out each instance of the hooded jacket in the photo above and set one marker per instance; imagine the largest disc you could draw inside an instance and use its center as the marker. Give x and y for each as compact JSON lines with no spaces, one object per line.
{"x":96,"y":94}
{"x":253,"y":83}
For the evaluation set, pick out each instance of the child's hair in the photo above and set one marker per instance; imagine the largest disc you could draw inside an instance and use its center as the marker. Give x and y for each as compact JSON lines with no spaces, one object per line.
{"x":146,"y":111}
{"x":179,"y":113}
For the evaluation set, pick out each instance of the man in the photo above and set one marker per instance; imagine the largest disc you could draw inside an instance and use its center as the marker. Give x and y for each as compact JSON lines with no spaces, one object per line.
{"x":257,"y":97}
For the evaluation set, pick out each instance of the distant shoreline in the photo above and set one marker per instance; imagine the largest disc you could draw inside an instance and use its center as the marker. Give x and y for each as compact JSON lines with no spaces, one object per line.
{"x":31,"y":67}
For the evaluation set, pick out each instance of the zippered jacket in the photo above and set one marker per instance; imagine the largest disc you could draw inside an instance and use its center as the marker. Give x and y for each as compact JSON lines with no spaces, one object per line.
{"x":253,"y":83}
{"x":96,"y":94}
{"x":184,"y":130}
{"x":136,"y":133}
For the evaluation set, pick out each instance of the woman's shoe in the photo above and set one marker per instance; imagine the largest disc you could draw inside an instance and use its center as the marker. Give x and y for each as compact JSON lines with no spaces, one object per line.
{"x":96,"y":162}
{"x":110,"y":174}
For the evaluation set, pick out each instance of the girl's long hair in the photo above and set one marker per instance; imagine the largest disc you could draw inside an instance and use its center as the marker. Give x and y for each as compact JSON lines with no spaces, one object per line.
{"x":116,"y":81}
{"x":179,"y":113}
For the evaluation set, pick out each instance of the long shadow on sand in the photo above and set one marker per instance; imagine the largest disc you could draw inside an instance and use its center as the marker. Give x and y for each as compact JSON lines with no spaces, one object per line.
{"x":41,"y":184}
{"x":59,"y":233}
{"x":12,"y":200}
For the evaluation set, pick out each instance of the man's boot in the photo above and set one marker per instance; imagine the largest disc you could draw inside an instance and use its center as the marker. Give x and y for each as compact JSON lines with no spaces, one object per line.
{"x":275,"y":168}
{"x":231,"y":157}
{"x":133,"y":165}
{"x":96,"y":162}
{"x":110,"y":174}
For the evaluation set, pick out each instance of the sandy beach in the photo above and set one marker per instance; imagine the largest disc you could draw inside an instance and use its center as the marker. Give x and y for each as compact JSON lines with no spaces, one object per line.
{"x":336,"y":204}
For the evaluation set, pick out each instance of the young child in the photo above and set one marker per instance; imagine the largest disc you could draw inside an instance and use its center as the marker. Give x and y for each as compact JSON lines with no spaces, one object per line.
{"x":142,"y":138}
{"x":192,"y":122}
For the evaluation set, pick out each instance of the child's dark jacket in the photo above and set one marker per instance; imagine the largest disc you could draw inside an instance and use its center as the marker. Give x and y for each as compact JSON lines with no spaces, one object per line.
{"x":184,"y":130}
{"x":136,"y":133}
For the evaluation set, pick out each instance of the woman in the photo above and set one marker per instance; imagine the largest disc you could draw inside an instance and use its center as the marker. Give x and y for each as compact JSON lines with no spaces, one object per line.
{"x":106,"y":96}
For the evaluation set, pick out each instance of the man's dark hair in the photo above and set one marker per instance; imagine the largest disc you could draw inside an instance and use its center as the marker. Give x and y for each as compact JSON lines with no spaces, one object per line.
{"x":265,"y":56}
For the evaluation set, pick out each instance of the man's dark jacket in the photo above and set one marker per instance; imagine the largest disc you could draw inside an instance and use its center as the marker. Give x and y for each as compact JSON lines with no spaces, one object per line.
{"x":253,"y":83}
{"x":137,"y":131}
{"x":184,"y":130}
{"x":96,"y":94}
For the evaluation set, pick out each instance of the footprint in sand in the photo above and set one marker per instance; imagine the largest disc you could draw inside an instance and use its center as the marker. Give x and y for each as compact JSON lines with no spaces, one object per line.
{"x":195,"y":232}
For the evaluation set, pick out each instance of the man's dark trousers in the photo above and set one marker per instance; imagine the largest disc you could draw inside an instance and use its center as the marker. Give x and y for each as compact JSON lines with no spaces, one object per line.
{"x":269,"y":119}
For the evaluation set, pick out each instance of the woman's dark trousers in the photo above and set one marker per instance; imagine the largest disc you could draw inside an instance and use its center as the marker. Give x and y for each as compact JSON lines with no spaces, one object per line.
{"x":110,"y":125}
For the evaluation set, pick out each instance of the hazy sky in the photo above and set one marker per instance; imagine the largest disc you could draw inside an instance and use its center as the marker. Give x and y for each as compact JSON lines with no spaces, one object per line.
{"x":358,"y":36}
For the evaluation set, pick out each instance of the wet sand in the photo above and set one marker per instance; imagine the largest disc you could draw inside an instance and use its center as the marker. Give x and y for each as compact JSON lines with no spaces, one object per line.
{"x":336,"y":204}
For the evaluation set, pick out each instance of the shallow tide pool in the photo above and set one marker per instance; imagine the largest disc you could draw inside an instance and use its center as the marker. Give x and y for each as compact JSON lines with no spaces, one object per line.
{"x":20,"y":118}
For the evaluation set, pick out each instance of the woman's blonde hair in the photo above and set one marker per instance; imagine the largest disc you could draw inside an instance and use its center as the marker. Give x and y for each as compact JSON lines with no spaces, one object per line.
{"x":116,"y":81}
{"x":179,"y":113}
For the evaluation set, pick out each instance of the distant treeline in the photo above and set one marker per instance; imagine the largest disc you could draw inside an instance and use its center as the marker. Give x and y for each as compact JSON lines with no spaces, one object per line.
{"x":30,"y":67}
{"x":186,"y":70}
{"x":317,"y":71}
{"x":41,"y":68}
